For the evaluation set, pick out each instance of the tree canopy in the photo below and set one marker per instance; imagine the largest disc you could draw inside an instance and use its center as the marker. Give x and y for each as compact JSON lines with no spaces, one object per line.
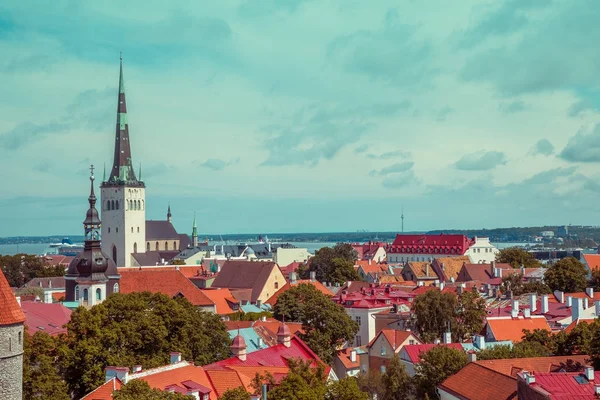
{"x":333,"y":264}
{"x":238,"y":393}
{"x":137,"y":328}
{"x":303,"y":382}
{"x":436,"y":365}
{"x":567,"y":275}
{"x":138,"y":389}
{"x":397,"y":383}
{"x":345,"y":389}
{"x":325,"y":323}
{"x":515,"y":283}
{"x":41,"y":378}
{"x":517,"y":257}
{"x":21,"y":268}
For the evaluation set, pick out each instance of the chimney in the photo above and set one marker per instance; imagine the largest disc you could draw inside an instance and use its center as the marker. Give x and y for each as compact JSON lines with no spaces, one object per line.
{"x":569,"y":301}
{"x":493,"y":268}
{"x":292,"y":278}
{"x":137,"y":368}
{"x":533,"y":302}
{"x":259,"y":303}
{"x":560,"y":296}
{"x":545,"y":304}
{"x":589,"y":373}
{"x":175,"y":357}
{"x":420,"y":283}
{"x":526,"y":313}
{"x":479,"y":341}
{"x":585,"y":303}
{"x":522,"y":270}
{"x":447,"y":337}
{"x":515,"y":305}
{"x":437,"y":282}
{"x":19,"y":301}
{"x":284,"y":335}
{"x":427,"y":269}
{"x":442,"y":286}
{"x":514,"y":313}
{"x":528,"y":377}
{"x":353,"y":355}
{"x":577,"y":308}
{"x":369,"y":261}
{"x":597,"y":389}
{"x":263,"y":318}
{"x":260,"y":343}
{"x":121,"y":373}
{"x":590,"y":292}
{"x":313,"y":276}
{"x":473,"y":355}
{"x":498,"y":272}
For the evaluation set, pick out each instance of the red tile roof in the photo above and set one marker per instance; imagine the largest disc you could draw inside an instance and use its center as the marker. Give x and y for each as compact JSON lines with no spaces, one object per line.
{"x":183,"y":377}
{"x":318,"y":285}
{"x":49,"y":318}
{"x":592,"y":260}
{"x":169,"y":282}
{"x":507,"y":328}
{"x":415,"y":351}
{"x":365,"y":251}
{"x":511,"y":366}
{"x":479,"y":272}
{"x":188,"y":271}
{"x":58,"y":259}
{"x":104,"y":391}
{"x":57,"y":296}
{"x":476,"y":381}
{"x":223,"y":300}
{"x":292,"y":267}
{"x":431,"y":244}
{"x":10,"y":311}
{"x":564,"y":385}
{"x":224,"y":380}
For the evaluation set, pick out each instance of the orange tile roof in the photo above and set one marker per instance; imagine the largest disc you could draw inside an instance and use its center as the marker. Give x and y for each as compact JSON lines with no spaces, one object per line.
{"x":56,"y":296}
{"x":452,"y":265}
{"x":104,"y":391}
{"x":582,"y":295}
{"x":344,"y":357}
{"x":160,"y":380}
{"x":476,"y":381}
{"x":592,"y":260}
{"x":10,"y":311}
{"x":170,"y":282}
{"x":419,"y":269}
{"x":273,"y":326}
{"x":512,"y":366}
{"x":222,"y":299}
{"x":573,"y":324}
{"x":507,"y":328}
{"x":223,"y":380}
{"x":396,"y":337}
{"x":373,"y":268}
{"x":318,"y":285}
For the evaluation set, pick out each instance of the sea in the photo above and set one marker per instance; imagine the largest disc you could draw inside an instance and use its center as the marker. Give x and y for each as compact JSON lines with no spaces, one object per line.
{"x":39,"y":248}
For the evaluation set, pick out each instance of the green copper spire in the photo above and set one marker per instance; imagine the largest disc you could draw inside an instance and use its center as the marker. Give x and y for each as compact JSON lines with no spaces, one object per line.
{"x":121,"y":81}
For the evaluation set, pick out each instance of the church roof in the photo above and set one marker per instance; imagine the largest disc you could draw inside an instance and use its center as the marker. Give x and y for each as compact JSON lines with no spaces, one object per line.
{"x":160,"y":230}
{"x":10,"y":311}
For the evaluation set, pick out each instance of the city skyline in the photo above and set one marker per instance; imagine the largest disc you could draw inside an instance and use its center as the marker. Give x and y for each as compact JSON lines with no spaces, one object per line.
{"x":329,"y":117}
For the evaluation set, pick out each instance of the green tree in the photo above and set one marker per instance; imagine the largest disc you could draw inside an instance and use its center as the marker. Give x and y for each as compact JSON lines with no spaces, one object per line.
{"x":138,"y":389}
{"x":517,"y":257}
{"x":595,"y":279}
{"x":331,"y":264}
{"x":434,"y":311}
{"x":436,"y":365}
{"x":519,"y":350}
{"x":41,"y":377}
{"x":397,"y":383}
{"x":516,"y":284}
{"x":326,"y":325}
{"x":567,"y":275}
{"x":177,"y":261}
{"x":303,"y":382}
{"x":238,"y":393}
{"x":371,"y":383}
{"x":470,"y":314}
{"x":345,"y":389}
{"x":137,"y":328}
{"x":21,"y":268}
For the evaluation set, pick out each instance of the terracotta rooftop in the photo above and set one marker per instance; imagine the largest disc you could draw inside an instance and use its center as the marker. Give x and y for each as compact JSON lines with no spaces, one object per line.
{"x":318,"y":285}
{"x":479,"y":272}
{"x":431,"y":244}
{"x":170,"y":282}
{"x":512,"y":366}
{"x":562,"y":385}
{"x":449,"y":267}
{"x":422,"y":269}
{"x":394,"y":337}
{"x":46,"y":317}
{"x":10,"y":311}
{"x":224,"y":380}
{"x":223,"y":299}
{"x":592,"y":260}
{"x":183,"y":377}
{"x":415,"y":351}
{"x":476,"y":381}
{"x":507,"y":328}
{"x":104,"y":391}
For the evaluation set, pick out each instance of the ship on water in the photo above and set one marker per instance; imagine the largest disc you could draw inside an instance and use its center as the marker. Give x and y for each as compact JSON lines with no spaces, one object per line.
{"x":66,"y":248}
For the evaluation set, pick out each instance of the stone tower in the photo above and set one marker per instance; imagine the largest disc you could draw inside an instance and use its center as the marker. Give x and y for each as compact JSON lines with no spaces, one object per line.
{"x":92,"y":274}
{"x":11,"y":343}
{"x":123,"y":196}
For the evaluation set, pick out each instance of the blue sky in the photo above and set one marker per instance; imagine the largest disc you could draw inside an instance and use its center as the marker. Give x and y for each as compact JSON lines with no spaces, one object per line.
{"x":305,"y":115}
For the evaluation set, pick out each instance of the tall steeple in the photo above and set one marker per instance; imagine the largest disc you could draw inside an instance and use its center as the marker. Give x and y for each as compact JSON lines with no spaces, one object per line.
{"x":194,"y":233}
{"x":91,"y":224}
{"x":169,"y":215}
{"x":122,"y":170}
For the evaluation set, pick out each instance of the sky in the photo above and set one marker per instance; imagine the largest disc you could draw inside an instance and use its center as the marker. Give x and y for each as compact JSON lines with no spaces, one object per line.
{"x":305,"y":115}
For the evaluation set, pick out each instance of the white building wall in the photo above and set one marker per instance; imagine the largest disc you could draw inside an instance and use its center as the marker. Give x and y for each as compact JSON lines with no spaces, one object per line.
{"x":125,"y":227}
{"x":366,"y":331}
{"x":482,"y":251}
{"x":284,"y":257}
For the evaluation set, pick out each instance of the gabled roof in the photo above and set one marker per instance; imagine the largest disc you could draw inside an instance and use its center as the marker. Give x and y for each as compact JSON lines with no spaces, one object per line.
{"x":224,"y":380}
{"x":246,"y":275}
{"x":394,"y":337}
{"x":223,"y":300}
{"x":344,"y":357}
{"x":475,"y":381}
{"x":449,"y":267}
{"x":318,"y":285}
{"x":153,"y":258}
{"x":479,"y":272}
{"x":104,"y":391}
{"x":169,"y":282}
{"x":189,"y":376}
{"x":10,"y":311}
{"x":592,"y":260}
{"x":422,"y":269}
{"x":160,"y":230}
{"x":373,"y":268}
{"x":57,"y":259}
{"x":184,"y":241}
{"x":415,"y":351}
{"x":507,"y":328}
{"x":512,"y":366}
{"x":431,"y":244}
{"x":564,"y":385}
{"x":56,"y":282}
{"x":46,"y":317}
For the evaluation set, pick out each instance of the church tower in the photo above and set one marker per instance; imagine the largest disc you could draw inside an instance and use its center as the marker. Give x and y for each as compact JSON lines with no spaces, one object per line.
{"x":123,"y":196}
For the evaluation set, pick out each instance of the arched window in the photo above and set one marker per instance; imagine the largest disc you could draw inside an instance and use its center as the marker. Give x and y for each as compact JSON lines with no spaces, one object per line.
{"x":139,"y":205}
{"x":156,"y":247}
{"x":98,"y":294}
{"x":117,"y":204}
{"x":117,"y":228}
{"x":116,"y":288}
{"x":174,"y":245}
{"x":112,"y":204}
{"x":148,"y":246}
{"x":166,"y":245}
{"x":20,"y":337}
{"x":109,"y":230}
{"x":85,"y":294}
{"x":77,"y":293}
{"x":108,"y":204}
{"x":134,"y":245}
{"x":138,"y":229}
{"x":132,"y":229}
{"x":114,"y":251}
{"x":143,"y":204}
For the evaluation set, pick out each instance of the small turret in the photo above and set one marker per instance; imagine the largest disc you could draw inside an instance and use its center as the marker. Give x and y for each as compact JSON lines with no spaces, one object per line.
{"x":284,"y":335}
{"x":238,"y":347}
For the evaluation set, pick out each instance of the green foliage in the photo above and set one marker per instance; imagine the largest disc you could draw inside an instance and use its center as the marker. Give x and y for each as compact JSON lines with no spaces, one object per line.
{"x":345,"y":389}
{"x":567,"y":275}
{"x":41,"y":378}
{"x":595,"y":279}
{"x":177,"y":262}
{"x":593,"y":347}
{"x":303,"y":382}
{"x":437,"y":364}
{"x":397,"y":383}
{"x":250,"y":316}
{"x":21,"y":268}
{"x":138,"y":389}
{"x":50,"y":271}
{"x":517,"y":257}
{"x":371,"y":383}
{"x":515,"y":283}
{"x":30,"y":291}
{"x":333,"y":264}
{"x":137,"y":328}
{"x":469,"y":315}
{"x":325,"y":323}
{"x":238,"y":393}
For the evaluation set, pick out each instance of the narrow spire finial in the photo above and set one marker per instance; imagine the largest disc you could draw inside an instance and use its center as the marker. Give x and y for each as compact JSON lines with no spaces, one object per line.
{"x":121,"y":55}
{"x":104,"y":174}
{"x":140,"y":174}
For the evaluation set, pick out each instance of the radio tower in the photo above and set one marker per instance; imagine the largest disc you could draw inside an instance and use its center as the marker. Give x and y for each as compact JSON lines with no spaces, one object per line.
{"x":402,"y":217}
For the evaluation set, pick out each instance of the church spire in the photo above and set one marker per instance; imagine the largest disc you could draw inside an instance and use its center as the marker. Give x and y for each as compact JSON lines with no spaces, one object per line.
{"x":91,"y":224}
{"x":194,"y":233}
{"x":122,"y":170}
{"x":169,"y":216}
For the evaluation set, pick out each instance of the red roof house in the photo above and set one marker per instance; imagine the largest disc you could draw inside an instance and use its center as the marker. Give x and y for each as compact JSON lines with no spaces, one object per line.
{"x":46,"y":317}
{"x":10,"y":311}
